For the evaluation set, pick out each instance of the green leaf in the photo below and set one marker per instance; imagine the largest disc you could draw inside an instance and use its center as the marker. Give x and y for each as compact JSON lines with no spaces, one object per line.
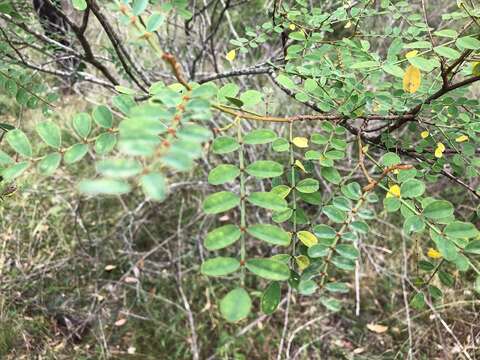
{"x":348,"y":251}
{"x":222,"y":237}
{"x":264,"y":169}
{"x":224,"y":145}
{"x":271,"y":298}
{"x":222,"y":174}
{"x":119,"y":168}
{"x":280,"y":145}
{"x":446,"y":33}
{"x":251,"y":97}
{"x":413,"y":223}
{"x":82,"y":124}
{"x":75,"y":153}
{"x":268,"y":201}
{"x":394,"y":70}
{"x":307,"y":287}
{"x":195,"y":133}
{"x":337,"y":287}
{"x":331,"y":175}
{"x":50,"y":133}
{"x":236,"y":305}
{"x":268,"y":269}
{"x":359,"y":226}
{"x":318,"y":250}
{"x":335,"y":215}
{"x":285,"y":81}
{"x":19,"y":142}
{"x":220,"y":202}
{"x":260,"y":136}
{"x":270,"y":233}
{"x":155,"y":21}
{"x":323,"y":231}
{"x":390,"y":159}
{"x":49,"y":164}
{"x":461,"y":230}
{"x":139,"y":6}
{"x":104,"y":186}
{"x":473,"y":247}
{"x":364,"y":64}
{"x":154,"y":186}
{"x":412,"y":188}
{"x":80,"y":5}
{"x":103,"y":116}
{"x":418,"y":301}
{"x":468,"y":42}
{"x":219,"y":266}
{"x":105,"y":143}
{"x":308,"y":186}
{"x":331,"y":304}
{"x":352,"y":190}
{"x":438,"y":209}
{"x":447,"y":52}
{"x":426,"y":65}
{"x":5,"y":159}
{"x":446,"y":247}
{"x":14,"y":171}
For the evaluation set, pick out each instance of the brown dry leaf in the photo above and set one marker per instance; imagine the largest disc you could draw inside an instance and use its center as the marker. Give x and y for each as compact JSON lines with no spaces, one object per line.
{"x":377,"y":328}
{"x":411,"y":79}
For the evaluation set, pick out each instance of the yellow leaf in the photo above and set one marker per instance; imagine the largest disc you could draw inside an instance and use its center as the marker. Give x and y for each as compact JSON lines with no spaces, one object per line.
{"x":461,"y":138}
{"x":302,"y":262}
{"x":307,"y":238}
{"x":434,"y":254}
{"x":231,"y":55}
{"x":292,"y":27}
{"x":348,"y":25}
{"x":300,"y":142}
{"x":439,"y":150}
{"x":299,"y":164}
{"x":411,"y":54}
{"x":377,"y":328}
{"x":424,"y":134}
{"x":411,"y":79}
{"x":476,"y":68}
{"x":394,"y":191}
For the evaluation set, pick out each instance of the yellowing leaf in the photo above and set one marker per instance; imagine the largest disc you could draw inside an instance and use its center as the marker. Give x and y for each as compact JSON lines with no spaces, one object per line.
{"x":411,"y":54}
{"x":461,"y":138}
{"x":434,"y":254}
{"x":302,"y":262}
{"x":300,"y":142}
{"x":411,"y":79}
{"x":348,"y":25}
{"x":476,"y":68}
{"x":394,"y":191}
{"x":299,"y":164}
{"x":292,"y":27}
{"x":307,"y":238}
{"x":439,"y":150}
{"x":231,"y":55}
{"x":377,"y":328}
{"x":424,"y":134}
